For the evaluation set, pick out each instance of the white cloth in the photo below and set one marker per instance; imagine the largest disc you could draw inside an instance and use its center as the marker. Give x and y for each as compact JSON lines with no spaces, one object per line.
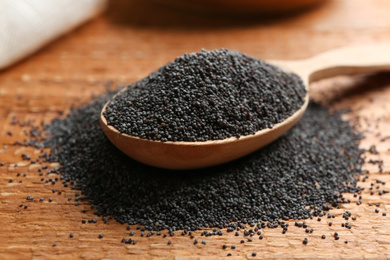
{"x":27,"y":25}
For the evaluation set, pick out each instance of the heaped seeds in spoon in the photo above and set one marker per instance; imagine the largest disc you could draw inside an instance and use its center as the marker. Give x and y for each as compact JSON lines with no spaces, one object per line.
{"x":209,"y":95}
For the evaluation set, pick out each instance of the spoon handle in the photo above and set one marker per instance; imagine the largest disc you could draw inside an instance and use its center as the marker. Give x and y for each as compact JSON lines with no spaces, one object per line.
{"x":342,"y":61}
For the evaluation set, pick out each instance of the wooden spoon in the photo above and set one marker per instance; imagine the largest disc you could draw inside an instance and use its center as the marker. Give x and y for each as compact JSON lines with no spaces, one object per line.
{"x":191,"y":155}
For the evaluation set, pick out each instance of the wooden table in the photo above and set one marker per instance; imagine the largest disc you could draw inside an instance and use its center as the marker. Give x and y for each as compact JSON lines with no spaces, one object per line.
{"x":128,"y":42}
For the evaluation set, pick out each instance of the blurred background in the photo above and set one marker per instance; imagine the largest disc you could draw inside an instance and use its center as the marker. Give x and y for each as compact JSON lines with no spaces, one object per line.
{"x":127,"y":39}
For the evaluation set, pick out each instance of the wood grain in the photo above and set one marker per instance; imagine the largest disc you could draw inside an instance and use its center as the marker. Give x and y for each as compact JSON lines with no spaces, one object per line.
{"x":127,"y":43}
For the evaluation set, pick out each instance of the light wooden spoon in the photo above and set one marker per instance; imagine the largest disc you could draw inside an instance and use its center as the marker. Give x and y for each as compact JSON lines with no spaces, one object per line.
{"x":191,"y":155}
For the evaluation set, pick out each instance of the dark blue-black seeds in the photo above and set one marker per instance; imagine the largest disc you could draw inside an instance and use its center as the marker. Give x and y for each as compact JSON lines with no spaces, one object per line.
{"x":207,"y":95}
{"x":296,"y":177}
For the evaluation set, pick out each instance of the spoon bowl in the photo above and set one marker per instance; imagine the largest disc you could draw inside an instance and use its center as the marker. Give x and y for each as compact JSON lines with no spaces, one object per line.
{"x":191,"y":155}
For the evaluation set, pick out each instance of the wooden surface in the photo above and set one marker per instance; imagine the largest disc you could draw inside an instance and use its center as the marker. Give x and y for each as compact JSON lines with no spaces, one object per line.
{"x":130,"y":41}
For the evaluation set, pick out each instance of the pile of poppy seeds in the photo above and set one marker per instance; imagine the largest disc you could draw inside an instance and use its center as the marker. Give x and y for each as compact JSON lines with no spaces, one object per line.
{"x":302,"y":175}
{"x":299,"y":176}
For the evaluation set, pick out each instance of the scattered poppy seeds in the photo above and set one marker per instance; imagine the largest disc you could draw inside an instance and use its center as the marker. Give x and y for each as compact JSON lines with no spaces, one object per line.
{"x":302,"y":175}
{"x":299,"y":176}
